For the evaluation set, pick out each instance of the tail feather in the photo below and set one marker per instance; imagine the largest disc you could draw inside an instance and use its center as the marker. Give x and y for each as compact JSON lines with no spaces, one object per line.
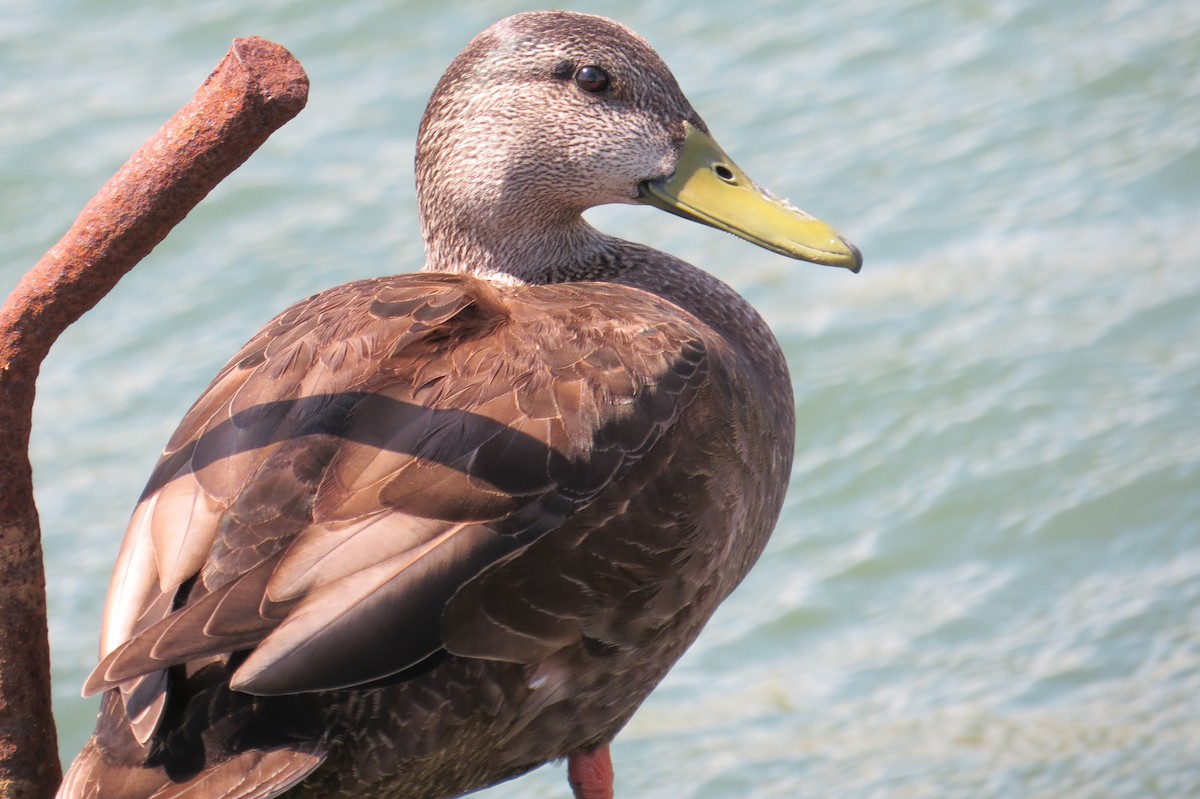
{"x":251,"y":775}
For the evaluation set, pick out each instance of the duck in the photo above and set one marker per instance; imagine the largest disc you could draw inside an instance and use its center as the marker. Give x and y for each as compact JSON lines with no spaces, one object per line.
{"x":427,"y":532}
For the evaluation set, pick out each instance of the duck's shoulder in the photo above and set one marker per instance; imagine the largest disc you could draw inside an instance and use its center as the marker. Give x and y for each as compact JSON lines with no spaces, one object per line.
{"x":436,"y":334}
{"x":386,"y":313}
{"x":363,"y":334}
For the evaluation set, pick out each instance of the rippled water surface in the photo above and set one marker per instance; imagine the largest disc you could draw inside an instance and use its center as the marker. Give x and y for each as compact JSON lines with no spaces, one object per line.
{"x":986,"y":581}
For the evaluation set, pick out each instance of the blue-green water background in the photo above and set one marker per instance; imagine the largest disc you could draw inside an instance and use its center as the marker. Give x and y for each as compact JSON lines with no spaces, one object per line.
{"x":986,"y":581}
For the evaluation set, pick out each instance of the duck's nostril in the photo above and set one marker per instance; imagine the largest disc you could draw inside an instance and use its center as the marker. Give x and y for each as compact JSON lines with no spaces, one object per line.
{"x":724,"y":173}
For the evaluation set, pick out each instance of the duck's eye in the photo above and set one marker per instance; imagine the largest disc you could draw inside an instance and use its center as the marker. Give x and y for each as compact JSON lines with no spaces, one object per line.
{"x":591,"y":79}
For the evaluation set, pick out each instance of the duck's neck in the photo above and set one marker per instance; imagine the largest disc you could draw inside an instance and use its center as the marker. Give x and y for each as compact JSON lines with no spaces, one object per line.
{"x":533,"y":251}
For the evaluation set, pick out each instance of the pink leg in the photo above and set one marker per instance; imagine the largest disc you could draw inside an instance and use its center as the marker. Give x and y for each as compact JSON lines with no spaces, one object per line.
{"x":591,"y":774}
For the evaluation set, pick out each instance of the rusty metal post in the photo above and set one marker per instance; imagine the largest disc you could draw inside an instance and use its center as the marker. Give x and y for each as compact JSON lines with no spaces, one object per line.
{"x":256,"y":89}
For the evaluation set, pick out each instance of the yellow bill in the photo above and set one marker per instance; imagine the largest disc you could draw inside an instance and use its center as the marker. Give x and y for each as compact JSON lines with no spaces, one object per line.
{"x":709,"y":187}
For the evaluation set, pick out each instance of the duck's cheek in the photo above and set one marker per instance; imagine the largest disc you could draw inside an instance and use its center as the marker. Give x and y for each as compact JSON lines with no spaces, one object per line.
{"x":623,"y":168}
{"x":652,"y":153}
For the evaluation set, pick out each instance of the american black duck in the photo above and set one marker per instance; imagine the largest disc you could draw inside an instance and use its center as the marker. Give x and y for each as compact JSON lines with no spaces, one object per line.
{"x":427,"y":532}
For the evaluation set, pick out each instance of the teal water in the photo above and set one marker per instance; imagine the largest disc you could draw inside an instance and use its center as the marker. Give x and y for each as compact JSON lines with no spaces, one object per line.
{"x":986,"y":582}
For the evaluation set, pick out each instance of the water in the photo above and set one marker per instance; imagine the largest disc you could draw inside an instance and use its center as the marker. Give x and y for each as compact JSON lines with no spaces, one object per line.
{"x":986,"y":579}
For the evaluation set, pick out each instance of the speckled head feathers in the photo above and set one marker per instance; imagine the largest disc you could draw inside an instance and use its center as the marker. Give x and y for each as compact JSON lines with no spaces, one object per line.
{"x":512,"y":143}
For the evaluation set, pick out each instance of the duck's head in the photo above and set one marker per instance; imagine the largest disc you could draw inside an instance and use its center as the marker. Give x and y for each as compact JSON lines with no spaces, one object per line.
{"x":547,"y":114}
